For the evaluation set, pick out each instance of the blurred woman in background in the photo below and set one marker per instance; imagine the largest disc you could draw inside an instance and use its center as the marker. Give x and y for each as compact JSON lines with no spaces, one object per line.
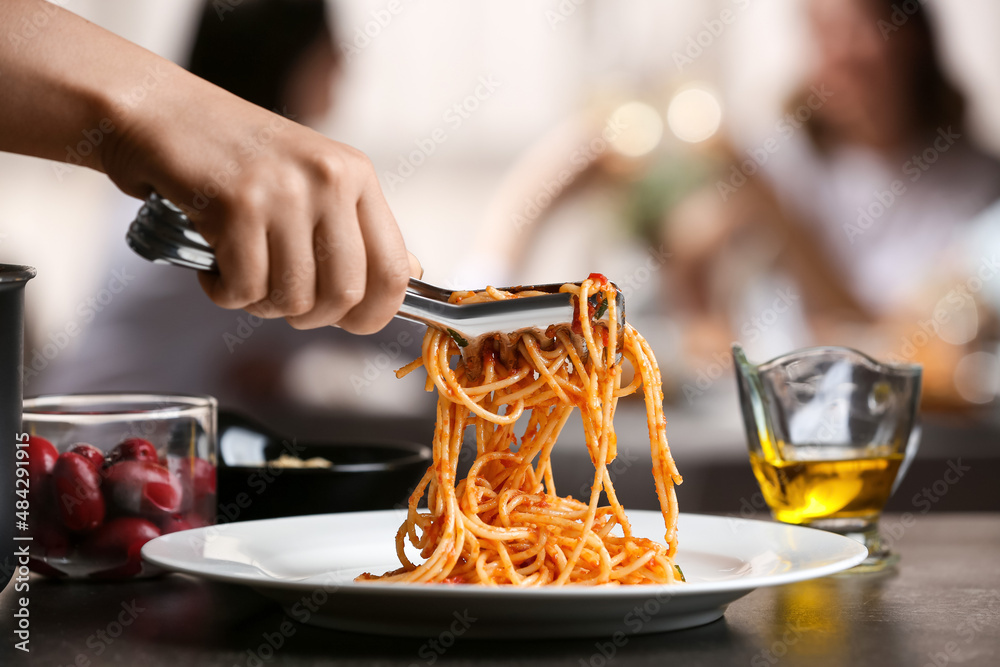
{"x":875,"y":179}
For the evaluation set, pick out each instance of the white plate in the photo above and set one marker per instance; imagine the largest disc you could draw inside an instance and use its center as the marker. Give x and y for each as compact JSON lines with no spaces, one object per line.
{"x":308,"y":565}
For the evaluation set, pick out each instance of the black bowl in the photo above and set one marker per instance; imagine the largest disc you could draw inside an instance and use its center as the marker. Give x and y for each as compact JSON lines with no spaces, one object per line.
{"x":364,"y":475}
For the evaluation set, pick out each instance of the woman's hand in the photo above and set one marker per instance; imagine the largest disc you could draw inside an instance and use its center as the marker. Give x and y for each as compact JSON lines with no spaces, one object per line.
{"x":297,"y":221}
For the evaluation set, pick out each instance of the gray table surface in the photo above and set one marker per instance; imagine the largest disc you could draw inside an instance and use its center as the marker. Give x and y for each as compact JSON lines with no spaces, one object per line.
{"x":940,"y":606}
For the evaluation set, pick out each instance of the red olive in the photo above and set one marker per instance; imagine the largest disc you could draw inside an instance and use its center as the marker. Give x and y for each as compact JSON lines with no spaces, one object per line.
{"x":89,"y":452}
{"x":116,"y":545}
{"x":197,"y":477}
{"x":173,"y":523}
{"x":142,"y":487}
{"x":132,"y":449}
{"x":77,"y":487}
{"x":178,"y":522}
{"x":51,"y":540}
{"x":42,"y":456}
{"x":205,"y":511}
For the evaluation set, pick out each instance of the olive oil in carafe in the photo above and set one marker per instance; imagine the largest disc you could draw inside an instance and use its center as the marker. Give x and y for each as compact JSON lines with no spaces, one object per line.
{"x":800,"y":491}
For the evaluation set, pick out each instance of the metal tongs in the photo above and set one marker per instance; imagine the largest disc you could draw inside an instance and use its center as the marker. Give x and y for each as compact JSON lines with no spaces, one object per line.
{"x":163,"y":234}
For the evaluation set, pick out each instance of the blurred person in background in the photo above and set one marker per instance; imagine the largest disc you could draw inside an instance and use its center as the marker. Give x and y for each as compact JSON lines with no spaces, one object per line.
{"x":159,"y":333}
{"x":854,"y":209}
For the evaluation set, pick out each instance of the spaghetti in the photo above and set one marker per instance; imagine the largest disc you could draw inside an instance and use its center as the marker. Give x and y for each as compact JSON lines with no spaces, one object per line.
{"x":503,"y":523}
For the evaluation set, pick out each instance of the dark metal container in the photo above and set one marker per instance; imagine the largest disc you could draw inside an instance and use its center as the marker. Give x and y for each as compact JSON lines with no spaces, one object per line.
{"x":12,"y":281}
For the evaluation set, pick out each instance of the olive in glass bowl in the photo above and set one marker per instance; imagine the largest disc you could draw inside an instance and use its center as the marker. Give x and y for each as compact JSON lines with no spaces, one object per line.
{"x":109,"y":472}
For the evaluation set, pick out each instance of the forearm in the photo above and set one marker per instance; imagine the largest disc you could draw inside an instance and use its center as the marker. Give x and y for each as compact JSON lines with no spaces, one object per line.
{"x":68,"y":85}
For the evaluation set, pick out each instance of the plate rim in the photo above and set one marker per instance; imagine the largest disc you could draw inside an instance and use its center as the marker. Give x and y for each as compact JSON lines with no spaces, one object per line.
{"x":860,"y":552}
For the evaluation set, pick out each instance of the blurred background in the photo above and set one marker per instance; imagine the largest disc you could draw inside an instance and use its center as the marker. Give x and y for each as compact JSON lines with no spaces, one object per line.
{"x":779,"y":173}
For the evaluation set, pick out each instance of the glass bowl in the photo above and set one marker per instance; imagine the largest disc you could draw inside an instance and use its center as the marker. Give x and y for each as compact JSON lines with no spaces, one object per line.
{"x":109,"y":472}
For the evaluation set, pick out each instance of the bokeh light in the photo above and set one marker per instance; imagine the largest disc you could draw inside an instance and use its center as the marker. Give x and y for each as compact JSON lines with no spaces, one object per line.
{"x":694,"y":115}
{"x":642,"y":129}
{"x":977,"y":377}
